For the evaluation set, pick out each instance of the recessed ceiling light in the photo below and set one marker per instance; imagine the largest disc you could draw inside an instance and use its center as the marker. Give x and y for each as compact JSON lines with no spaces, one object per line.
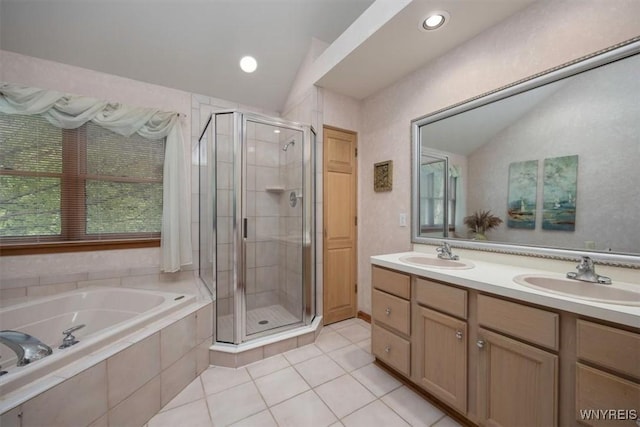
{"x":434,"y":20}
{"x":276,"y":131}
{"x":248,"y":64}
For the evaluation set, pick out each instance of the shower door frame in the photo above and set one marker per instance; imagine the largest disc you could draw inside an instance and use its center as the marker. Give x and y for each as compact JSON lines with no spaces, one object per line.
{"x":239,"y":202}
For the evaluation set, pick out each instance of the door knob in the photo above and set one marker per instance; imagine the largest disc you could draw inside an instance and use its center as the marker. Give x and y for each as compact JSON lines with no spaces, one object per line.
{"x":388,"y":311}
{"x":387,"y":349}
{"x":480,"y":343}
{"x":459,"y":334}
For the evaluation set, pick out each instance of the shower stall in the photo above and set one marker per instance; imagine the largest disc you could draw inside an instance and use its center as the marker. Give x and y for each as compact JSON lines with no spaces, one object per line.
{"x":257,"y":218}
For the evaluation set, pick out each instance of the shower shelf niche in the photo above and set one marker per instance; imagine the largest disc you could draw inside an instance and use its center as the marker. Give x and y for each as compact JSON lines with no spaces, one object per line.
{"x":274,"y":189}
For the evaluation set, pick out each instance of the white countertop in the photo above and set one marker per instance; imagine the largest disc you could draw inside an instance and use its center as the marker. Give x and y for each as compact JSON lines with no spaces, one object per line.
{"x":498,"y":279}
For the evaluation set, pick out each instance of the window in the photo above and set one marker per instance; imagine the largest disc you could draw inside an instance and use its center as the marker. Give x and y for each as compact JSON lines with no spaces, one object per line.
{"x":432,"y":198}
{"x":81,"y":185}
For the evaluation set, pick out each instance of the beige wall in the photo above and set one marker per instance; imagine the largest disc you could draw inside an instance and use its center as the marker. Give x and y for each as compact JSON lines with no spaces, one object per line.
{"x":540,"y":37}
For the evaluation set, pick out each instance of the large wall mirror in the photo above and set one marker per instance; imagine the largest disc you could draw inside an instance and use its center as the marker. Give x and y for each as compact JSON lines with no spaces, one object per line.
{"x":550,"y":166}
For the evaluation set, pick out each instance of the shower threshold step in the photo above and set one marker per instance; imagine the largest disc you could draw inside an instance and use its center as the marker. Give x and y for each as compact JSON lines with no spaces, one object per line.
{"x":235,"y":356}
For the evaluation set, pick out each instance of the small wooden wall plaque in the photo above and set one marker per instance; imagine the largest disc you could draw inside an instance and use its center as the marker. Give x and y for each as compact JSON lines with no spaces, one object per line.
{"x":383,"y":176}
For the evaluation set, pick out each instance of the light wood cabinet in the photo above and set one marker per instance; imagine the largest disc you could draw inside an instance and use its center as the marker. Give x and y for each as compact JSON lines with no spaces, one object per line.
{"x":391,"y":319}
{"x":440,"y":356}
{"x":517,"y":383}
{"x":615,"y":350}
{"x":392,"y":349}
{"x":500,"y":362}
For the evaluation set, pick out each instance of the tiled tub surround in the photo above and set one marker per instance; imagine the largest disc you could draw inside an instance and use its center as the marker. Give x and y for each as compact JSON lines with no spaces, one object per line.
{"x":16,"y":286}
{"x":331,"y":382}
{"x":497,"y":279}
{"x":123,"y":384}
{"x":107,"y":313}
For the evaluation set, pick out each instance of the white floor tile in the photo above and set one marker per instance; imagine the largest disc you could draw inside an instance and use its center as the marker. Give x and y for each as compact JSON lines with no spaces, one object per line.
{"x":303,"y":353}
{"x":355,"y":333}
{"x":306,"y":409}
{"x":344,"y":323}
{"x":351,"y":357}
{"x":281,"y":385}
{"x":331,"y":341}
{"x":376,"y":380}
{"x":374,"y":414}
{"x":194,"y":414}
{"x":365,"y":345}
{"x":190,"y":393}
{"x":319,"y":370}
{"x":344,"y":395}
{"x":447,"y":422}
{"x":217,"y":378}
{"x":235,"y":404}
{"x":267,"y":366}
{"x":413,"y":408}
{"x":261,"y":419}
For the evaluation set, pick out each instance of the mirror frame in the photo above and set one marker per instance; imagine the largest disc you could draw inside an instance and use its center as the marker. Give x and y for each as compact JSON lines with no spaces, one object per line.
{"x":602,"y":57}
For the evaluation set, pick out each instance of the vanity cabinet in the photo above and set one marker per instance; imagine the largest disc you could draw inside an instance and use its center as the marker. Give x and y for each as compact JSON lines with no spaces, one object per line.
{"x":607,"y":374}
{"x":439,"y":342}
{"x":391,"y":319}
{"x":502,"y":362}
{"x":517,"y":381}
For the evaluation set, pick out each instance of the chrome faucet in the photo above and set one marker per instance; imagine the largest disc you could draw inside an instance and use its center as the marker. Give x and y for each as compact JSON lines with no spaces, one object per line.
{"x":444,"y":252}
{"x":587,"y":272}
{"x":27,"y":348}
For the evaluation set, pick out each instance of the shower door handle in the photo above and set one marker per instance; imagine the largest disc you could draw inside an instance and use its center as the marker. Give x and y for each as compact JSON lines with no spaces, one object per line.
{"x":244,"y":228}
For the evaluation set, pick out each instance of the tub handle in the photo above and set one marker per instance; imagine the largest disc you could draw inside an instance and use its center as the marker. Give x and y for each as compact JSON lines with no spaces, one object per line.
{"x":69,"y":339}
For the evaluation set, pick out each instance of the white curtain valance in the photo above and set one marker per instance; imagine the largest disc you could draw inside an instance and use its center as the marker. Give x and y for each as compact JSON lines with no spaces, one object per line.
{"x":70,"y":112}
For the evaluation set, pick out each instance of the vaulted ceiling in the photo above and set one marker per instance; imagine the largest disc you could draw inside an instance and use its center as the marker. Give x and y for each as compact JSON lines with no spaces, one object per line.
{"x":195,"y":45}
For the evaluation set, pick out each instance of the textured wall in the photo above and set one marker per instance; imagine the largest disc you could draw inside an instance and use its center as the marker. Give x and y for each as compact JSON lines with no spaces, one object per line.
{"x":594,"y":116}
{"x":545,"y":35}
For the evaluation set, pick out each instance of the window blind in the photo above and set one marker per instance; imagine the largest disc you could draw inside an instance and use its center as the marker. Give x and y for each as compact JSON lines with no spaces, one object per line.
{"x":86,"y":184}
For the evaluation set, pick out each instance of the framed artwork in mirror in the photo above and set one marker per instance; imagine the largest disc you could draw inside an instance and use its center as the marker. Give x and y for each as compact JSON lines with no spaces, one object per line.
{"x":523,"y":184}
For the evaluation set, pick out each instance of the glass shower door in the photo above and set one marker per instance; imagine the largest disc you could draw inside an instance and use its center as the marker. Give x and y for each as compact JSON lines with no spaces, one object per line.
{"x":273,"y":212}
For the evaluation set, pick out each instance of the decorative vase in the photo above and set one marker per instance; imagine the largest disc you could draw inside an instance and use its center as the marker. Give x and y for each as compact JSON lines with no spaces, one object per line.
{"x":480,"y":236}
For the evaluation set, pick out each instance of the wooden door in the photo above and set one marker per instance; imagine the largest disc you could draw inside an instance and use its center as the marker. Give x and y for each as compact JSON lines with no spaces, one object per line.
{"x":518,"y":383}
{"x":440,"y":356}
{"x":340,"y":236}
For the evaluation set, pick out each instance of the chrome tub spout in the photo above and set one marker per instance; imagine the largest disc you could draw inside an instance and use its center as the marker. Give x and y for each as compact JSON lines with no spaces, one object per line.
{"x":27,"y":348}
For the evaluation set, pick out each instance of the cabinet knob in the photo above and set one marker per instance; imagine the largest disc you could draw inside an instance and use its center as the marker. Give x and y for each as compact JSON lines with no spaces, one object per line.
{"x":388,"y":311}
{"x":459,"y":334}
{"x":480,"y":343}
{"x":387,"y":349}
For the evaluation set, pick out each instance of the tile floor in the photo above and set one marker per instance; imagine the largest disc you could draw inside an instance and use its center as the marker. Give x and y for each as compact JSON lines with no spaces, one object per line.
{"x":332,"y":382}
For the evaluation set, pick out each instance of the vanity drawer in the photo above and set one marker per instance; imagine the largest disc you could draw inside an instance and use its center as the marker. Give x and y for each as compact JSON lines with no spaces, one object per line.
{"x":599,"y":390}
{"x":520,"y":321}
{"x":392,"y":282}
{"x":609,"y":347}
{"x":392,"y":311}
{"x":391,"y":349}
{"x":447,"y":299}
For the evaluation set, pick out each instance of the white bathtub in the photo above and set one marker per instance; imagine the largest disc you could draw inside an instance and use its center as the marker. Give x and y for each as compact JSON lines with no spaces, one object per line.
{"x":108,"y":313}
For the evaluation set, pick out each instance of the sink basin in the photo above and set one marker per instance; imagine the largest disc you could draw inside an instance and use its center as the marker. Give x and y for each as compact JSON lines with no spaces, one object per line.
{"x":425,"y":261}
{"x":618,"y":293}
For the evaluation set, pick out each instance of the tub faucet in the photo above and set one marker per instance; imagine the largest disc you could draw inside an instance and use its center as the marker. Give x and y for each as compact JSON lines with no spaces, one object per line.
{"x":587,"y":272}
{"x":27,"y":348}
{"x":444,"y":252}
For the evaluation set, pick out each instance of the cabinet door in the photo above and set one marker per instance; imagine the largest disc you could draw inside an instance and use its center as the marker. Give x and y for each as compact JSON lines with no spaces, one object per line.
{"x":517,"y":382}
{"x":440,"y":356}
